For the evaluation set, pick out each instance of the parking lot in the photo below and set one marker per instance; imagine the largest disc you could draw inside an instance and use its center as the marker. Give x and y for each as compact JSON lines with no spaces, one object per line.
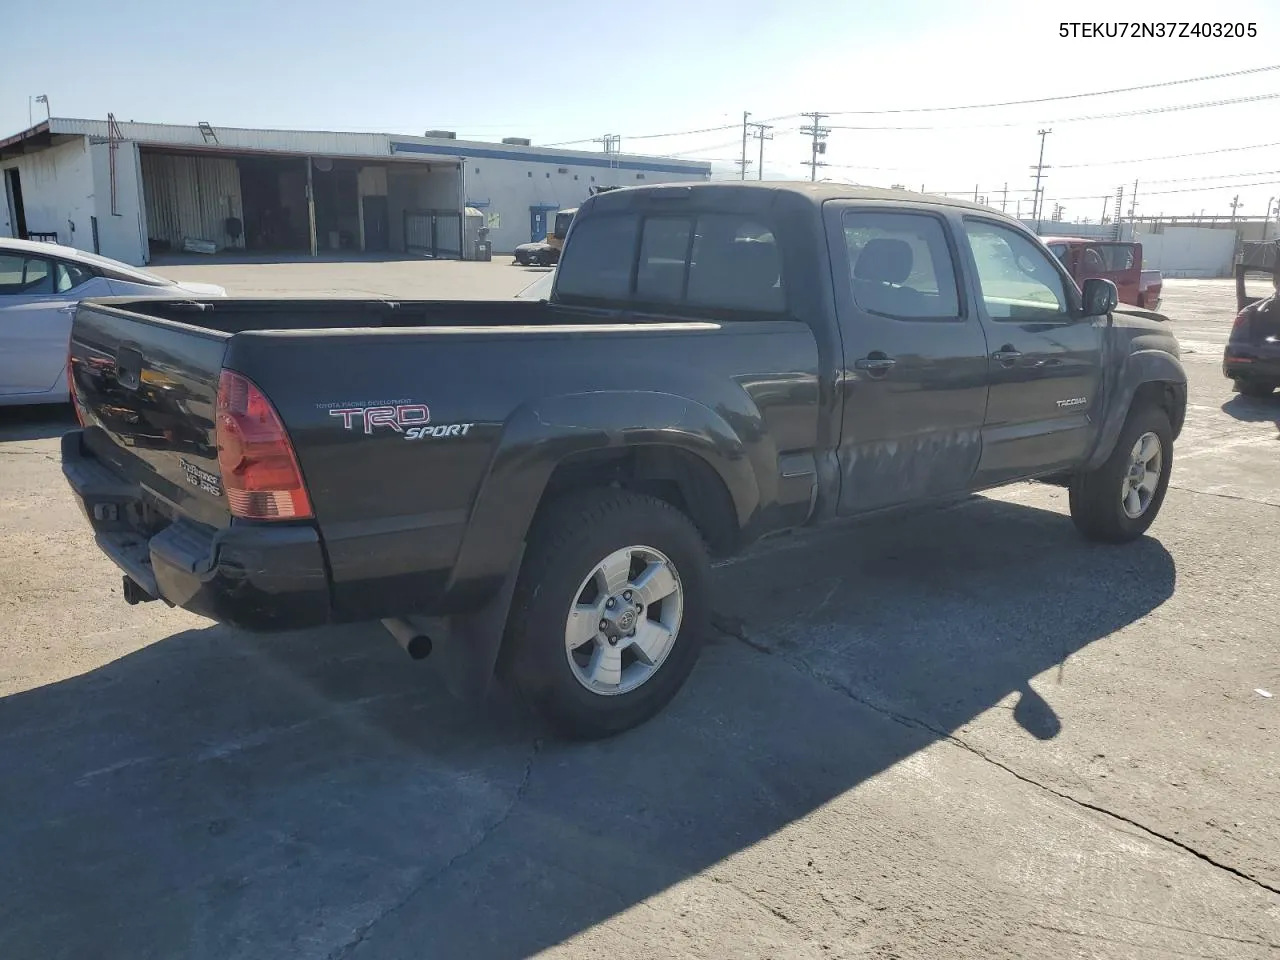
{"x":958,"y":732}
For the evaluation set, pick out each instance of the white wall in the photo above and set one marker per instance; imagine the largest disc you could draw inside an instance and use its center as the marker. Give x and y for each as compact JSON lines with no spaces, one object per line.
{"x":122,"y":236}
{"x":57,"y":193}
{"x":1188,"y":251}
{"x":511,"y":187}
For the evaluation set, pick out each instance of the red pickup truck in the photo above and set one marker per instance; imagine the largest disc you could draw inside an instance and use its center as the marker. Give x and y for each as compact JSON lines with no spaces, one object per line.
{"x":1121,"y":263}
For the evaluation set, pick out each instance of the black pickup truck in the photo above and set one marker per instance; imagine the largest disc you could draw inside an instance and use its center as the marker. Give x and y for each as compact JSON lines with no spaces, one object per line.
{"x":534,"y":488}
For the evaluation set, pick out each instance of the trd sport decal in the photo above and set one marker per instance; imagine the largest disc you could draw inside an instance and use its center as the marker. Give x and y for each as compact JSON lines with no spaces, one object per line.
{"x":411,"y":420}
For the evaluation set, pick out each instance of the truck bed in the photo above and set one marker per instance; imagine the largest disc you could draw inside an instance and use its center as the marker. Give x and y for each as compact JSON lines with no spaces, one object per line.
{"x":399,"y":415}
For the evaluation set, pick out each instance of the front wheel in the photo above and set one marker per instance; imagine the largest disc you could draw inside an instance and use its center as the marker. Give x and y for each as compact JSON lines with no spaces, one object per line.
{"x":609,"y":612}
{"x":1119,"y":500}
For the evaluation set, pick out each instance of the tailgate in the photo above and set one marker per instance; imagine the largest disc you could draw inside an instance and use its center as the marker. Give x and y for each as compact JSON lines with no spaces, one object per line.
{"x":146,"y":390}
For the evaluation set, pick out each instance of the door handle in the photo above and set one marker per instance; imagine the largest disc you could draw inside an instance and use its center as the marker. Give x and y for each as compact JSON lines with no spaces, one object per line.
{"x":875,"y":363}
{"x":1007,"y":355}
{"x":70,"y":308}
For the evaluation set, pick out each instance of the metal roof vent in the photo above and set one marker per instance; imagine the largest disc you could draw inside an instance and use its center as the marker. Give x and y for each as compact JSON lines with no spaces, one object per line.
{"x":442,"y":134}
{"x":518,"y":141}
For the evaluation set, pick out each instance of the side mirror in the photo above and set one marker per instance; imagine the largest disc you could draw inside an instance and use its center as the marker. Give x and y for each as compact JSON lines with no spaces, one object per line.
{"x":1100,"y":297}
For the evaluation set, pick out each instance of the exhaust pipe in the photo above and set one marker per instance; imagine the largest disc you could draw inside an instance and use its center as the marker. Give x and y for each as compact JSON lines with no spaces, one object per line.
{"x":416,"y":643}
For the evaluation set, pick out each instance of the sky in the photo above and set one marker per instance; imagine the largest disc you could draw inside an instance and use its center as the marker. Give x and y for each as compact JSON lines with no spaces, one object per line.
{"x":561,"y":71}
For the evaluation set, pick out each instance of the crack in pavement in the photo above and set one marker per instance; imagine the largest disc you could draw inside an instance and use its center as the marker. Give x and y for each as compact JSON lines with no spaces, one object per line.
{"x":1225,"y":496}
{"x":734,"y":627}
{"x":362,"y":932}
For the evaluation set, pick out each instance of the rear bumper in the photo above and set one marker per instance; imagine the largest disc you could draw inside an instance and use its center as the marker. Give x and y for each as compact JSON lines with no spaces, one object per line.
{"x":256,"y":576}
{"x":1250,"y":362}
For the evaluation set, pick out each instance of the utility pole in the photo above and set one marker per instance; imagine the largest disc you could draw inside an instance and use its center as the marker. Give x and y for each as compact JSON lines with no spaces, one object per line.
{"x":1235,"y":205}
{"x":1103,"y":218}
{"x":760,"y":135}
{"x":1039,"y":169}
{"x":819,"y":135}
{"x":1133,"y":207}
{"x":744,"y":162}
{"x":1266,"y":221}
{"x":1004,"y":197}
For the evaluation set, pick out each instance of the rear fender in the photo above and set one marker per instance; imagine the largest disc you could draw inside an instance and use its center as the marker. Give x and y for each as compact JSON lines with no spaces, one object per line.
{"x":1141,"y":367}
{"x":544,"y":433}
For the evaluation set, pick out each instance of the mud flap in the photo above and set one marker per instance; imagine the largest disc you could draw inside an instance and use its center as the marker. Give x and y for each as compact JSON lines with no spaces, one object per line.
{"x":467,"y":645}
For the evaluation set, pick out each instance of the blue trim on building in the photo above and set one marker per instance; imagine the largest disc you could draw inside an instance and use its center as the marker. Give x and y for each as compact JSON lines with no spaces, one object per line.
{"x":480,"y":153}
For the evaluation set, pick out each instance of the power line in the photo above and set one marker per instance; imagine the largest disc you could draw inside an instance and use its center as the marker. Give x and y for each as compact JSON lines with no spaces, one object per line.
{"x":1204,"y":189}
{"x":1070,"y":96}
{"x":649,"y":136}
{"x":1145,"y":111}
{"x":1171,"y":156}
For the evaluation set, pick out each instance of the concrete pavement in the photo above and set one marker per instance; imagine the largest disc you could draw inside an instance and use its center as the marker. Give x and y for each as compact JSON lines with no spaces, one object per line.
{"x":961,"y":732}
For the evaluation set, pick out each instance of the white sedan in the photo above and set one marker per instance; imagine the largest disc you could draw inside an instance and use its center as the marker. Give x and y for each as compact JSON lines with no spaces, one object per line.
{"x":40,"y":285}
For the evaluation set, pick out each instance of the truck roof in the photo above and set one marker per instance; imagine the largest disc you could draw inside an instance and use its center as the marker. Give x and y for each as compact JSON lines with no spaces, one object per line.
{"x":818,"y":193}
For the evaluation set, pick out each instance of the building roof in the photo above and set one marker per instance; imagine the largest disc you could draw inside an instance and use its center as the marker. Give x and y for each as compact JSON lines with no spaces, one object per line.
{"x":330,"y":143}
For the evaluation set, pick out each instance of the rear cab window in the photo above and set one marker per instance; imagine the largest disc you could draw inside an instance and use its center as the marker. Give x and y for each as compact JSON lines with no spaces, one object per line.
{"x":1113,"y":257}
{"x":700,"y":263}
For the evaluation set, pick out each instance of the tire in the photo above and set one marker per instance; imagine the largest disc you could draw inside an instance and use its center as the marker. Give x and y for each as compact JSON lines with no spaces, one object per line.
{"x":562,"y":569}
{"x":1098,"y":497}
{"x":1255,"y":388}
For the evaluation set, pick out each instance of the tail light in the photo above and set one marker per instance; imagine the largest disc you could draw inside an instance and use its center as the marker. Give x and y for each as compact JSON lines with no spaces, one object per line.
{"x":1240,"y":329}
{"x":259,"y":470}
{"x":71,"y":390}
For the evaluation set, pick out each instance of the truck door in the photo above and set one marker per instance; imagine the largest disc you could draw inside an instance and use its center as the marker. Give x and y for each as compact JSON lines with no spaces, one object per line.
{"x":914,"y":386}
{"x":1046,"y":359}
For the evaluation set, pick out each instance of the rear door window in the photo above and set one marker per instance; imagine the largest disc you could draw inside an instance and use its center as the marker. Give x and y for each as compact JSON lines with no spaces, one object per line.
{"x":900,"y":265}
{"x":24,"y":276}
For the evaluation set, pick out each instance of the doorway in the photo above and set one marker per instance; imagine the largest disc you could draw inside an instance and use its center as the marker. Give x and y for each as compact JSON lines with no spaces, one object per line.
{"x":537,"y":224}
{"x":377,"y":233}
{"x":17,"y":212}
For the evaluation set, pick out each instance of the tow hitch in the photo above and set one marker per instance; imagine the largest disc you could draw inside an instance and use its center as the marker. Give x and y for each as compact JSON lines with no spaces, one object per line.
{"x":134,"y":594}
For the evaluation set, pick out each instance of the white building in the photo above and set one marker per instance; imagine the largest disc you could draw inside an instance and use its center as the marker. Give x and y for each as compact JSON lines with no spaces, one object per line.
{"x":134,"y":190}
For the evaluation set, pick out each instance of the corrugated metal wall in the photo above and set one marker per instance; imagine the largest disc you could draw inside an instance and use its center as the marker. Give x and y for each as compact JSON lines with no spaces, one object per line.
{"x":191,"y":197}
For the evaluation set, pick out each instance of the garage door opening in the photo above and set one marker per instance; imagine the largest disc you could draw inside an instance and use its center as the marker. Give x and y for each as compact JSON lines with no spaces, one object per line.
{"x":276,"y":219}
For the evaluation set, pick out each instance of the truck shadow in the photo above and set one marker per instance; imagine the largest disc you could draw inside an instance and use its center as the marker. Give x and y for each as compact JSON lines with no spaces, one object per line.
{"x":316,"y":795}
{"x":1254,"y":409}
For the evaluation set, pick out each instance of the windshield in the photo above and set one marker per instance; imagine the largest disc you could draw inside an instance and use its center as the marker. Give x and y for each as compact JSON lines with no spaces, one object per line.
{"x":563,"y":219}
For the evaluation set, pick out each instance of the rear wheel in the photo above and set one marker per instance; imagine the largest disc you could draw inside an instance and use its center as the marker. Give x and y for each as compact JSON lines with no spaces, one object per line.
{"x":1255,"y":388}
{"x":1119,"y":500}
{"x":609,"y":612}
